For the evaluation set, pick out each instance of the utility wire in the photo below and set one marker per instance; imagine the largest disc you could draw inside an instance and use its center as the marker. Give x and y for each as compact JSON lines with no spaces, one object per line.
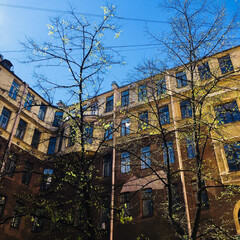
{"x":87,"y":14}
{"x":107,"y":47}
{"x":68,"y":12}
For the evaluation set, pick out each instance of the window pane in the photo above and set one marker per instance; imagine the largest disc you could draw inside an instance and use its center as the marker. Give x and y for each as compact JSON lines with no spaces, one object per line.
{"x":147,"y":203}
{"x":227,"y":113}
{"x":125,"y":162}
{"x":190,"y":148}
{"x":46,"y":179}
{"x":107,"y":166}
{"x":143,"y":120}
{"x":29,"y":101}
{"x":125,"y":127}
{"x":36,"y":139}
{"x":52,"y":145}
{"x":161,"y":86}
{"x":109,"y":104}
{"x":14,"y":90}
{"x":109,"y":131}
{"x":125,"y":98}
{"x":181,"y":79}
{"x":21,"y":129}
{"x":225,"y":64}
{"x":164,"y":115}
{"x":57,"y":118}
{"x":11,"y":164}
{"x":170,"y":152}
{"x":145,"y":157}
{"x":42,"y":112}
{"x":204,"y":71}
{"x":142,"y":93}
{"x":26,"y":177}
{"x":72,"y":136}
{"x":186,"y":109}
{"x":4,"y":118}
{"x":232,"y":152}
{"x":88,"y":133}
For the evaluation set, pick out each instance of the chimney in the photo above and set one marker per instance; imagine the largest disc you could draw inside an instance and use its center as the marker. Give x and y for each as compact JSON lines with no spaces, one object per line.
{"x":114,"y":85}
{"x":7,"y":64}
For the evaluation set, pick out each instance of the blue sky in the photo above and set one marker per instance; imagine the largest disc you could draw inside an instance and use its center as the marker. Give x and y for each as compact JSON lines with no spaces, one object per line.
{"x":18,"y":23}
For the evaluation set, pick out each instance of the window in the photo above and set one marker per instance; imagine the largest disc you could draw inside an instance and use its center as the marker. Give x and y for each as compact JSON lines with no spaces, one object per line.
{"x":227,"y":113}
{"x":145,"y":157}
{"x":125,"y":162}
{"x":61,"y":140}
{"x":161,"y":86}
{"x":125,"y":127}
{"x":88,"y":133}
{"x":42,"y":112}
{"x":181,"y":79}
{"x":205,"y":201}
{"x":108,"y":131}
{"x":142,"y":93}
{"x":170,"y":152}
{"x":175,"y":197}
{"x":204,"y":71}
{"x":107,"y":166}
{"x":232,"y":152}
{"x":21,"y":129}
{"x":14,"y":90}
{"x":29,"y":102}
{"x":94,"y":108}
{"x":46,"y":179}
{"x":225,"y":64}
{"x":57,"y":119}
{"x":164,"y":115}
{"x":104,"y":214}
{"x":124,"y":201}
{"x":11,"y":164}
{"x":190,"y":148}
{"x":109,"y":104}
{"x":3,"y":200}
{"x":4,"y":118}
{"x":186,"y":109}
{"x":17,"y":214}
{"x":36,"y":139}
{"x":147,"y":203}
{"x":51,"y":146}
{"x":72,"y":137}
{"x":26,"y":177}
{"x":125,"y":98}
{"x":143,"y":121}
{"x":37,"y":223}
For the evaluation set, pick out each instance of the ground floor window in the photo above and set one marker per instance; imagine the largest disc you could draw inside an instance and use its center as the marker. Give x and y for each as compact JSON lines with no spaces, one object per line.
{"x":147,"y":203}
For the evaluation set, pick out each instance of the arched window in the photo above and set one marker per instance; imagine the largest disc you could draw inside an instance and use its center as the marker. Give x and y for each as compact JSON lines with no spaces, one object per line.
{"x":236,"y":216}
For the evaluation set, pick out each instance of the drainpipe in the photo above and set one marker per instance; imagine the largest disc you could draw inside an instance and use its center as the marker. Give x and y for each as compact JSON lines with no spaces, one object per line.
{"x":13,"y":130}
{"x":181,"y":167}
{"x":114,"y":86}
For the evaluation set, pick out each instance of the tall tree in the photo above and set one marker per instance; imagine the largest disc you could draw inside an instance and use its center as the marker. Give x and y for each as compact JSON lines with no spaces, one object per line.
{"x":76,"y":48}
{"x":194,"y":78}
